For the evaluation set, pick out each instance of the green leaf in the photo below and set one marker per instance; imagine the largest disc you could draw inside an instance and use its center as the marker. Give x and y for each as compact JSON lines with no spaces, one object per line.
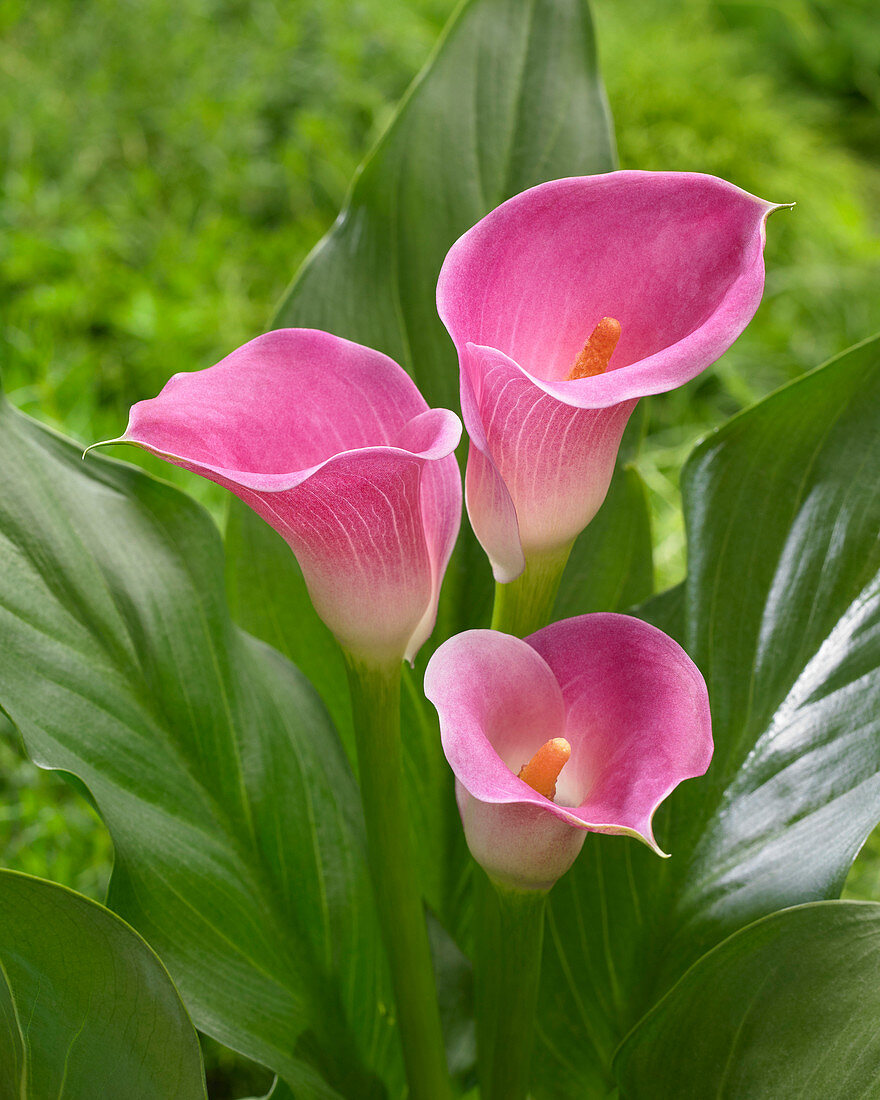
{"x":86,"y":1007}
{"x":781,"y":611}
{"x":782,"y":614}
{"x":786,"y":1007}
{"x":232,"y":808}
{"x":510,"y":98}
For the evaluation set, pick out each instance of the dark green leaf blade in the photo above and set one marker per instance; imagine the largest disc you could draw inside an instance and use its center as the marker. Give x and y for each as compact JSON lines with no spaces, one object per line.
{"x":787,"y":1006}
{"x":510,"y":98}
{"x":782,"y":614}
{"x":88,"y":1008}
{"x":231,"y":805}
{"x":781,"y":611}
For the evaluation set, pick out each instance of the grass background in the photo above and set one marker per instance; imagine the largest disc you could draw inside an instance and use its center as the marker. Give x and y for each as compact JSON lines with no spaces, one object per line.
{"x":165,"y":165}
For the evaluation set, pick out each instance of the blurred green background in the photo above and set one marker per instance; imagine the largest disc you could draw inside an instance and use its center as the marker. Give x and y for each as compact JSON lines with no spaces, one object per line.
{"x":165,"y":165}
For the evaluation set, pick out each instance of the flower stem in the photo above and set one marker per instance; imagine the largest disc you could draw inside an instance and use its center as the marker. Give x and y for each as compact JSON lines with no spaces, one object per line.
{"x":526,"y":604}
{"x":375,"y":697}
{"x":507,"y":970}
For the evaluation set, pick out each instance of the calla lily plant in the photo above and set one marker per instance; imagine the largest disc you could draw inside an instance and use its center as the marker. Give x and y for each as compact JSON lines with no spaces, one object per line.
{"x":329,"y":898}
{"x":566,"y":304}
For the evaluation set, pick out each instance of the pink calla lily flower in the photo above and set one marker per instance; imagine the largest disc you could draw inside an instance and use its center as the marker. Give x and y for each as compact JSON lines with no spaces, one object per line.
{"x":585,"y":726}
{"x":664,"y":269}
{"x":333,"y":445}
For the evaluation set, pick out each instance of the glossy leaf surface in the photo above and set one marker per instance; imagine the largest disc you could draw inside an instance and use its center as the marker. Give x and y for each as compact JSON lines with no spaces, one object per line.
{"x":86,"y":1008}
{"x":786,"y":1007}
{"x":781,"y":612}
{"x":232,"y":808}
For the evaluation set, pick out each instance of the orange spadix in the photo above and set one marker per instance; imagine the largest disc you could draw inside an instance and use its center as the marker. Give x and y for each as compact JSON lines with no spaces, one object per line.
{"x":543,"y":769}
{"x":597,"y":351}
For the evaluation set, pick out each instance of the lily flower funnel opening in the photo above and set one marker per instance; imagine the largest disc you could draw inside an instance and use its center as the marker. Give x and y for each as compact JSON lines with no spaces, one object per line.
{"x":585,"y":726}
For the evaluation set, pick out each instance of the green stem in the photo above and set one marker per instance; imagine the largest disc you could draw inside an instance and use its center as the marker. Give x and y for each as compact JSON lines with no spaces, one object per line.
{"x":526,"y":604}
{"x":507,"y":969}
{"x":375,"y":697}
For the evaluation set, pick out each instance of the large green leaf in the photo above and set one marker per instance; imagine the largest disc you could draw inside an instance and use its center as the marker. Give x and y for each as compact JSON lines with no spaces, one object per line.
{"x":786,"y":1007}
{"x":231,"y":805}
{"x":781,"y":611}
{"x":510,"y":98}
{"x":86,"y":1008}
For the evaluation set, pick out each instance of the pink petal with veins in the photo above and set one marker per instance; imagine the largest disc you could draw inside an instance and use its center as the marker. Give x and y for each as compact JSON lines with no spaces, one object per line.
{"x":333,"y":445}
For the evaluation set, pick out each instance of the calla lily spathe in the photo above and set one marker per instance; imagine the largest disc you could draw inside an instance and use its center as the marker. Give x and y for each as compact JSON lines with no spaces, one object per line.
{"x":333,"y":445}
{"x":675,"y":258}
{"x":624,"y":696}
